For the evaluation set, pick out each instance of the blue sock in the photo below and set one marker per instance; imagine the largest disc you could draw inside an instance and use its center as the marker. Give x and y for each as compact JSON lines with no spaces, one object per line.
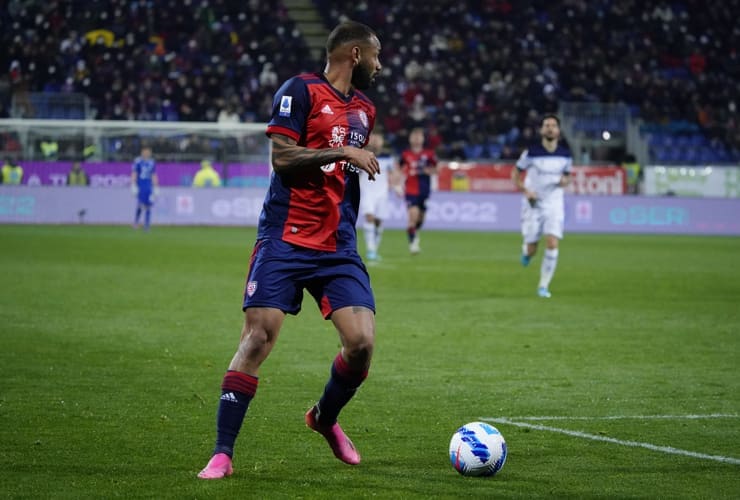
{"x":411,"y":232}
{"x":339,"y":390}
{"x":147,"y":217}
{"x":138,"y":215}
{"x":237,"y":390}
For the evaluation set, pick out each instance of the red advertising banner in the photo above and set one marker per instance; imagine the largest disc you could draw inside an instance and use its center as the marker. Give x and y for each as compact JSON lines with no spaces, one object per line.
{"x":475,"y":177}
{"x":496,"y":178}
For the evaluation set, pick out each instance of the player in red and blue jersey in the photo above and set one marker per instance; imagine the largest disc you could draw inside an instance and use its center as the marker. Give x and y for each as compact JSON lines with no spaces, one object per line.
{"x":418,"y":165}
{"x":144,"y":185}
{"x":306,"y":239}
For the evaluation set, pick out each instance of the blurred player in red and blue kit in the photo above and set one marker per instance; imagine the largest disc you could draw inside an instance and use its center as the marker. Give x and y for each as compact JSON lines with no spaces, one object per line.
{"x":418,"y":165}
{"x":306,"y":238}
{"x":144,"y":185}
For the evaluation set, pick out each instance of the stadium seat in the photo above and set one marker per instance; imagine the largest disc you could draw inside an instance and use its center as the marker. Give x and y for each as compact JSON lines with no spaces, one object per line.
{"x":691,"y":155}
{"x":494,"y":151}
{"x":473,"y":151}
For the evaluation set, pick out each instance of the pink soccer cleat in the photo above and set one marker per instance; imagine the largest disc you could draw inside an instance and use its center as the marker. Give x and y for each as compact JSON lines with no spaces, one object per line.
{"x":340,"y":444}
{"x":219,"y":466}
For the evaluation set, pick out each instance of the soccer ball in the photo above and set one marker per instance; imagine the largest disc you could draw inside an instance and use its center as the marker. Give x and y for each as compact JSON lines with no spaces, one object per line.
{"x":477,"y":449}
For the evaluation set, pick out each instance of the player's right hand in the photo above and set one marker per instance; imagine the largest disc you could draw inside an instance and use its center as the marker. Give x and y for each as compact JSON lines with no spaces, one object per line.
{"x":134,"y":189}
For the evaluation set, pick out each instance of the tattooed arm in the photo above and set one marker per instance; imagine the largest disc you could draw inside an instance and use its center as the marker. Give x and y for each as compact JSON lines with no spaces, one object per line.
{"x":288,"y":157}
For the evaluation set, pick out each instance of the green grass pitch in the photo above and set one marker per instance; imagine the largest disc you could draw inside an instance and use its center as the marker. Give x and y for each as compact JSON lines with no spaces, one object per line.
{"x":626,"y":384}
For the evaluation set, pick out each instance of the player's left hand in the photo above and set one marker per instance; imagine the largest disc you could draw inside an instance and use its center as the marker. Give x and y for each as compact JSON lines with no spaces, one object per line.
{"x":363,"y":159}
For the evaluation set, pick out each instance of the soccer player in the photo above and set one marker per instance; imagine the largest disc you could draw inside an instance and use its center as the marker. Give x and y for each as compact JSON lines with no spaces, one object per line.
{"x":306,"y":238}
{"x":418,"y":165}
{"x":547,"y":166}
{"x":374,"y":196}
{"x":144,"y":185}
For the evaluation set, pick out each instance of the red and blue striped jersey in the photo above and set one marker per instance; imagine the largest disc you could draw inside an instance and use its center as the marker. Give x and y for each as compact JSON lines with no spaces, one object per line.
{"x":418,"y":182}
{"x":316,"y":207}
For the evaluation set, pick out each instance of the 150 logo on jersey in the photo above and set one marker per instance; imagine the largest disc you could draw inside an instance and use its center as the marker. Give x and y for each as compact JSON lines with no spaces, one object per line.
{"x":356,"y":139}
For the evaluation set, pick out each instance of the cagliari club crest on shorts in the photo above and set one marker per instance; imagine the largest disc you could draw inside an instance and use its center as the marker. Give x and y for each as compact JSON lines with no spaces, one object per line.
{"x":251,"y":288}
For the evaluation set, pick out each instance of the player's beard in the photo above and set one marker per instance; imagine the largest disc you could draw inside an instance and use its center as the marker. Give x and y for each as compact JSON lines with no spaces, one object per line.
{"x":362,"y":78}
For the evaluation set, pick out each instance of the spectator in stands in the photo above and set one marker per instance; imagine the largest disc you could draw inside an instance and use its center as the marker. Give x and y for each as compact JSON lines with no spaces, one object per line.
{"x":206,"y":176}
{"x":634,"y":174}
{"x":77,"y":176}
{"x":12,"y":172}
{"x":228,"y":115}
{"x":49,"y":148}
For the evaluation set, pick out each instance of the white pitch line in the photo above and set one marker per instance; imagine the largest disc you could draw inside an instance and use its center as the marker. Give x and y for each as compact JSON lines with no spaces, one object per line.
{"x":634,"y":417}
{"x":636,"y":444}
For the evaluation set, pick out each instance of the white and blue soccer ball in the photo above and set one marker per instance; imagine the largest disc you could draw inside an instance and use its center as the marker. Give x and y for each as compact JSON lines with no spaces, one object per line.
{"x":477,"y":449}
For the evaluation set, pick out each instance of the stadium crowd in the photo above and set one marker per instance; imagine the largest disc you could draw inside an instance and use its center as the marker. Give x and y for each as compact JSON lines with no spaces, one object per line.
{"x":473,"y":73}
{"x":143,"y":60}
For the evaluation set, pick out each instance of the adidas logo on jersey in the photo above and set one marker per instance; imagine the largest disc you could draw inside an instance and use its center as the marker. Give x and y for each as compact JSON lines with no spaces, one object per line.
{"x":229,"y":396}
{"x":327,"y":110}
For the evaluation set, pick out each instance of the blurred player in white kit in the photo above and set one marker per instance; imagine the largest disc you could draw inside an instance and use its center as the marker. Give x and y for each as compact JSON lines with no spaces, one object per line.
{"x":547,"y":166}
{"x":374,"y":196}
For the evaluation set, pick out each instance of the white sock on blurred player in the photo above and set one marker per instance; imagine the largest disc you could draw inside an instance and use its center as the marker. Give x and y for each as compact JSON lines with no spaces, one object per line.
{"x":378,"y":236}
{"x":549,"y":263}
{"x":370,"y":242}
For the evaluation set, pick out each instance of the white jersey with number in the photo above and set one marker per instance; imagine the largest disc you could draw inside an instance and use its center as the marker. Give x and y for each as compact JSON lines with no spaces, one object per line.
{"x":544,"y":169}
{"x":374,"y":194}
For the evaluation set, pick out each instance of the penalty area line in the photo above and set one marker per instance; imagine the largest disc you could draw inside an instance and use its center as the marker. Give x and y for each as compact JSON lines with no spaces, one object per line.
{"x":635,"y":444}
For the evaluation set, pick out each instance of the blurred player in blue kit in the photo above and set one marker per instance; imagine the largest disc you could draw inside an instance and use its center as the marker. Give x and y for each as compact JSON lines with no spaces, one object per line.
{"x":144,"y":185}
{"x":547,"y":166}
{"x":307,"y":240}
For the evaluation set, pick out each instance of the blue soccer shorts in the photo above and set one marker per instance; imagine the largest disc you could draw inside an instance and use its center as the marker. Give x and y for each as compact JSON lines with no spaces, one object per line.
{"x":279,"y":272}
{"x":144,"y":197}
{"x":417,"y":201}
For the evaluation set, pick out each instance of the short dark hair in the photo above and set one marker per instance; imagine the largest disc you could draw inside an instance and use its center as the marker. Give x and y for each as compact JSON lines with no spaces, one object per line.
{"x":547,"y":117}
{"x":348,"y":31}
